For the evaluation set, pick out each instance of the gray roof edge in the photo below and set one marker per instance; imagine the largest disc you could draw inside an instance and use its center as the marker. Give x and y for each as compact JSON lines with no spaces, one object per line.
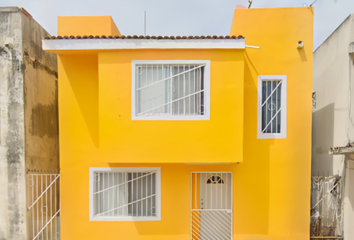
{"x":329,"y":36}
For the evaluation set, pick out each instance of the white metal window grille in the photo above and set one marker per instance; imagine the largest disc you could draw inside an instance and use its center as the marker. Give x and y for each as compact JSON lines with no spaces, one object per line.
{"x":215,"y":179}
{"x":176,"y":91}
{"x":125,"y":195}
{"x":211,"y":206}
{"x":43,"y":206}
{"x":272,"y":107}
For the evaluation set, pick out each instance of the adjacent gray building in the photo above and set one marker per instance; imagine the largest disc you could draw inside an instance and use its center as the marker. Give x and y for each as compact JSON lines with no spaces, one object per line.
{"x":28,"y":119}
{"x":333,"y":119}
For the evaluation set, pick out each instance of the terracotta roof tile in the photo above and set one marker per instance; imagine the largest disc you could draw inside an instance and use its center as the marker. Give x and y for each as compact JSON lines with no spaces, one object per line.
{"x":143,"y":37}
{"x":26,"y":13}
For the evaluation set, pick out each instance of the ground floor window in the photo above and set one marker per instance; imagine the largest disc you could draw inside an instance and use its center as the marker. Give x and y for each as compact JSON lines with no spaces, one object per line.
{"x":125,"y":194}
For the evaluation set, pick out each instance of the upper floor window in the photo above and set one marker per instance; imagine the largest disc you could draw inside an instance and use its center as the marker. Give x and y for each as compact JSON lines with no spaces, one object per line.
{"x":272,"y":106}
{"x":171,"y":90}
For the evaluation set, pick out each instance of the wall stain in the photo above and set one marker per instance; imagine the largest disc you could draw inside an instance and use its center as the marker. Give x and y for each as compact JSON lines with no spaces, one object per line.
{"x":14,"y":142}
{"x":44,"y":120}
{"x":23,"y":70}
{"x":3,"y":52}
{"x":38,"y":65}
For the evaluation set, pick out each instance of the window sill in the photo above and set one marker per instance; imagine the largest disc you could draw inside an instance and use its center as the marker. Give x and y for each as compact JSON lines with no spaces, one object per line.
{"x":271,"y":135}
{"x":172,"y":118}
{"x":125,"y":219}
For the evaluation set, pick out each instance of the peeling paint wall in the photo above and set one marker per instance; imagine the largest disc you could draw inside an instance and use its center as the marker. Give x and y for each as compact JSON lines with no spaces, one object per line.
{"x":28,"y":115}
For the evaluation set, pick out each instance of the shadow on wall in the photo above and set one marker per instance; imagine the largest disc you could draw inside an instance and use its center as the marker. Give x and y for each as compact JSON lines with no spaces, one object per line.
{"x":322,"y":140}
{"x":82,"y":73}
{"x":255,"y":168}
{"x":302,"y":54}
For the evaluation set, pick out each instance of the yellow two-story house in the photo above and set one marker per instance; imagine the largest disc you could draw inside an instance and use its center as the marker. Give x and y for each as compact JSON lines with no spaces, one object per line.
{"x":200,"y":137}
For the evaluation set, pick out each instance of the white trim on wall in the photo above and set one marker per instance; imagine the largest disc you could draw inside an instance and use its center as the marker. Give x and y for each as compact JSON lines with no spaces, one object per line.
{"x":99,"y":44}
{"x":206,"y":115}
{"x":130,"y":170}
{"x":283,"y":123}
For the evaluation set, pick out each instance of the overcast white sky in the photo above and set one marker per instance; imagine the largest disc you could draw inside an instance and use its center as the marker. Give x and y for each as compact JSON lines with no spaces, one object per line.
{"x":177,"y":17}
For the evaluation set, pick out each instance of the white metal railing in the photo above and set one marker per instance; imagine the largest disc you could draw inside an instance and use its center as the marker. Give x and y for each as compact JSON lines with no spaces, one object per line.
{"x":211,"y":224}
{"x":271,"y":121}
{"x":270,"y":95}
{"x":326,"y":207}
{"x":211,"y":206}
{"x":271,"y":106}
{"x":119,"y":194}
{"x":139,"y":69}
{"x":174,"y":101}
{"x":169,"y":89}
{"x":43,"y":206}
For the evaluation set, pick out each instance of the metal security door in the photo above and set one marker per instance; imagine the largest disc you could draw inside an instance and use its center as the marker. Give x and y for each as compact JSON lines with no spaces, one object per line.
{"x":43,"y":206}
{"x":211,"y":202}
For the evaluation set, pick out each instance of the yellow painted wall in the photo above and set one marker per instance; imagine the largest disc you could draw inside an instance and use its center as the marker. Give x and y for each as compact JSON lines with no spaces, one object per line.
{"x":286,"y":162}
{"x":271,"y":198}
{"x":219,"y":139}
{"x":88,"y":25}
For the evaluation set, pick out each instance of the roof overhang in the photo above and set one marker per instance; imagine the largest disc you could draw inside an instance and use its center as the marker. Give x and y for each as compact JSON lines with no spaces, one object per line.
{"x":116,"y":44}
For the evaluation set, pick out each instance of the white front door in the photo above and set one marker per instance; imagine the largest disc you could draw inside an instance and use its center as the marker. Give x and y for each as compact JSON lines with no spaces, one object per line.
{"x":212,"y":214}
{"x":215,"y":191}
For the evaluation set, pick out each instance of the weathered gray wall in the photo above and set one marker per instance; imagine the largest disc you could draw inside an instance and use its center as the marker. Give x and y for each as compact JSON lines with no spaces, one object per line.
{"x":12,"y":149}
{"x":331,"y":125}
{"x":28,"y":115}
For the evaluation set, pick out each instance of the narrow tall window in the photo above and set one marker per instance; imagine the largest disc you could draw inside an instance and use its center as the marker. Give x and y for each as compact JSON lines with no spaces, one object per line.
{"x":170,"y":90}
{"x":124,"y":194}
{"x":272,"y":106}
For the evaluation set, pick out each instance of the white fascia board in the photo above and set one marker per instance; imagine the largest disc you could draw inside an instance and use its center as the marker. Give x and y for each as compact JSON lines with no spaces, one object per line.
{"x":105,"y":44}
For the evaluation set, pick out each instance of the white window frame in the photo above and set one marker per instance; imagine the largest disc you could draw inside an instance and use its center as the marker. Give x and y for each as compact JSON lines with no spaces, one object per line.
{"x":283,"y":123}
{"x":130,"y":170}
{"x":206,"y":115}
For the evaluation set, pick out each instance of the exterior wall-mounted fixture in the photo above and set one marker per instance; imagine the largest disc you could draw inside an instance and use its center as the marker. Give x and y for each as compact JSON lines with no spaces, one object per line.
{"x":300,"y":44}
{"x":351,"y":48}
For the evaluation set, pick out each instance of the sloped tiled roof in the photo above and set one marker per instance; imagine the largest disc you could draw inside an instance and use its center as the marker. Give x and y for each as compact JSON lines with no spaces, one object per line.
{"x":142,"y":37}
